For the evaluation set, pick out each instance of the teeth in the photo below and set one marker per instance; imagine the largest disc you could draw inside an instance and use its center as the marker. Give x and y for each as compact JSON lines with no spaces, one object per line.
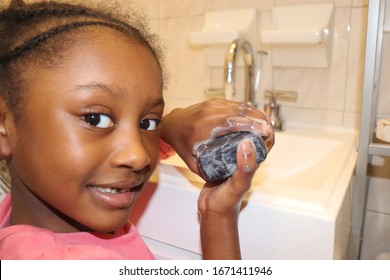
{"x":110,"y":190}
{"x":106,"y":190}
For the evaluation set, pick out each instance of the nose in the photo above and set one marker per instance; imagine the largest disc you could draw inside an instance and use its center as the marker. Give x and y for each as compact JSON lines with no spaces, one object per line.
{"x":130,"y":152}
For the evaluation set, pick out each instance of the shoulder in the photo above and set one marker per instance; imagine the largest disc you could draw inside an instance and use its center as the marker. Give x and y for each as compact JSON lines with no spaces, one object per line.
{"x":24,"y":242}
{"x":27,"y":242}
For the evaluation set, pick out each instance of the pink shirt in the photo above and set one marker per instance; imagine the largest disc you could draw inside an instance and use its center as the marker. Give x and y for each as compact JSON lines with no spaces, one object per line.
{"x":29,"y":242}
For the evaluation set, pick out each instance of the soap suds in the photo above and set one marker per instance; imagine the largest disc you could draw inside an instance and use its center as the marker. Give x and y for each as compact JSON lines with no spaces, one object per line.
{"x":217,"y":156}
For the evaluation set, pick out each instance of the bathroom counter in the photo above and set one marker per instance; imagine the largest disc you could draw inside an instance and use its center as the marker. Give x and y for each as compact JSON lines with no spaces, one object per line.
{"x":299,"y":206}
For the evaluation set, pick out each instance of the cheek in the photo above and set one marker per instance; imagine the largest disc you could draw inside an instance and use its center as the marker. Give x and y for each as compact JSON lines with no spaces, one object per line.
{"x":53,"y":153}
{"x":152,"y":148}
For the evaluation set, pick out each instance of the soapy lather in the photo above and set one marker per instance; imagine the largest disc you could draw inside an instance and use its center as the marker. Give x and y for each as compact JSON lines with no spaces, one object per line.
{"x":217,"y":156}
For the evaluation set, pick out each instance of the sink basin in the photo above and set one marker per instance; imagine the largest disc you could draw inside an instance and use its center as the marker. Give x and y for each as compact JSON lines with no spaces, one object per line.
{"x":299,"y":206}
{"x":303,"y":152}
{"x":294,"y":152}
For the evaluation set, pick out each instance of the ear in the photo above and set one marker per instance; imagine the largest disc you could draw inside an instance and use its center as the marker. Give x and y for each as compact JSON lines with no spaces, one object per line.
{"x":6,"y":118}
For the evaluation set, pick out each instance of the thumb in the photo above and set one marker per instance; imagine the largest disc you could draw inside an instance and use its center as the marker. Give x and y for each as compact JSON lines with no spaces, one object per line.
{"x":246,"y":166}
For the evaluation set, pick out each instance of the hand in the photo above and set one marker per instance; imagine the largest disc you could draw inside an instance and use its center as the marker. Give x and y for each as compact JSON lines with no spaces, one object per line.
{"x":219,"y":207}
{"x":183,"y":128}
{"x":226,"y":197}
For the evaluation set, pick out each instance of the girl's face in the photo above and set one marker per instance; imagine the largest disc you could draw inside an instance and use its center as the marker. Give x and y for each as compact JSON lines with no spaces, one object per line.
{"x":87,"y":140}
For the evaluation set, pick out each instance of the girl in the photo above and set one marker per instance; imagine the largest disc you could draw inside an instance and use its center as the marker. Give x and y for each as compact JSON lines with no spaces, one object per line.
{"x":80,"y":107}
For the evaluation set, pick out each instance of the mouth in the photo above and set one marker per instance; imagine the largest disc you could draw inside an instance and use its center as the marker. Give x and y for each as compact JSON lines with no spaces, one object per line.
{"x":117,"y":188}
{"x":112,"y":190}
{"x":116,"y":195}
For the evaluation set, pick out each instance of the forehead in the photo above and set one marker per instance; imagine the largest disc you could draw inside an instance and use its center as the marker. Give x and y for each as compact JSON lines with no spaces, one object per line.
{"x":101,"y":56}
{"x":100,"y":49}
{"x":107,"y":49}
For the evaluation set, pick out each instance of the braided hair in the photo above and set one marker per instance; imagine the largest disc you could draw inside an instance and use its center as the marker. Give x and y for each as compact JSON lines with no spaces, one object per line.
{"x":38,"y":34}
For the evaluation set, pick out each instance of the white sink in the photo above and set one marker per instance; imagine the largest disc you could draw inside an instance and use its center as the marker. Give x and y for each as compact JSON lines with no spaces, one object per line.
{"x":303,"y":151}
{"x":298,"y":208}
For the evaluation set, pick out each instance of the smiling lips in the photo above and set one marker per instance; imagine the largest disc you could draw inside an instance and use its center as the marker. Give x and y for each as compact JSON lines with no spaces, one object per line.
{"x":110,"y":190}
{"x":118,"y":195}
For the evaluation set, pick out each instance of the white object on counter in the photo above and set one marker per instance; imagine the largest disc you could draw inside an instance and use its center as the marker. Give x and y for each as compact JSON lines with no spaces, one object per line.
{"x":383,"y":130}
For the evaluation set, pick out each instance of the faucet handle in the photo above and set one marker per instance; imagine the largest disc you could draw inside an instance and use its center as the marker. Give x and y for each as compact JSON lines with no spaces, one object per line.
{"x":273,"y":109}
{"x":284,"y":94}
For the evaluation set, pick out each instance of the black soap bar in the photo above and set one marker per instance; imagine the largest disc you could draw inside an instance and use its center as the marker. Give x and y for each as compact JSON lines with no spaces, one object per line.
{"x":217,"y":157}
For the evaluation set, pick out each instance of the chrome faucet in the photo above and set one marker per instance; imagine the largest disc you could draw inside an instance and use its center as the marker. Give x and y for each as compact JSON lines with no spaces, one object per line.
{"x":272,"y":109}
{"x":244,"y":47}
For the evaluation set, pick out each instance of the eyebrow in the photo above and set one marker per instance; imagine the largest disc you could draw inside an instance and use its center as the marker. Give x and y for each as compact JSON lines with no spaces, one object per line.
{"x":114,"y":91}
{"x":109,"y":89}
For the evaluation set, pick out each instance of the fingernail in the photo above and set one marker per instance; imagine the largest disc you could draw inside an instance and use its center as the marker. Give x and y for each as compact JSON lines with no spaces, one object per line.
{"x":245,"y":148}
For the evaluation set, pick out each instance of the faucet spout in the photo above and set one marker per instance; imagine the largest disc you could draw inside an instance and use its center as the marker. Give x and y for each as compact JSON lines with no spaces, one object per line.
{"x":236,"y":47}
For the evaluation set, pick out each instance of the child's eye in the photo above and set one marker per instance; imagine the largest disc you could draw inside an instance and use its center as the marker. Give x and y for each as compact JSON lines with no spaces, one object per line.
{"x":98,"y":120}
{"x":149,"y":124}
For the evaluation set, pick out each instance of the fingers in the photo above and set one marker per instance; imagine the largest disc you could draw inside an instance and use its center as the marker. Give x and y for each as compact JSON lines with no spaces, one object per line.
{"x":244,"y":123}
{"x":241,"y":180}
{"x":237,"y":116}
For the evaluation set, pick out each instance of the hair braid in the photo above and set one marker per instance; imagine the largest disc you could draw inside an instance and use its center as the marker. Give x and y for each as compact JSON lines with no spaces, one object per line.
{"x":38,"y":31}
{"x":37,"y":40}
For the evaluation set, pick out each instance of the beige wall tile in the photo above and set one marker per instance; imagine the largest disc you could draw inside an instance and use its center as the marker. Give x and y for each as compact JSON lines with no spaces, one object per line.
{"x":337,"y":3}
{"x":188,"y":74}
{"x":260,"y":5}
{"x":183,"y":8}
{"x":356,"y":59}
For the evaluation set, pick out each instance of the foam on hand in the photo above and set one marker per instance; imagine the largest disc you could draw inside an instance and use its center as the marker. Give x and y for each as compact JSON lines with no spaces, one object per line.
{"x":217,"y":156}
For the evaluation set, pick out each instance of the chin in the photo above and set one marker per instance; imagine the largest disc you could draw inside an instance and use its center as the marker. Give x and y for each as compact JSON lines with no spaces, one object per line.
{"x":109,"y":228}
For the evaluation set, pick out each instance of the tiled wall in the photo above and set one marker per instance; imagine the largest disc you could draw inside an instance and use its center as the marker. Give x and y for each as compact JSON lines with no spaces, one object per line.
{"x":326,"y":97}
